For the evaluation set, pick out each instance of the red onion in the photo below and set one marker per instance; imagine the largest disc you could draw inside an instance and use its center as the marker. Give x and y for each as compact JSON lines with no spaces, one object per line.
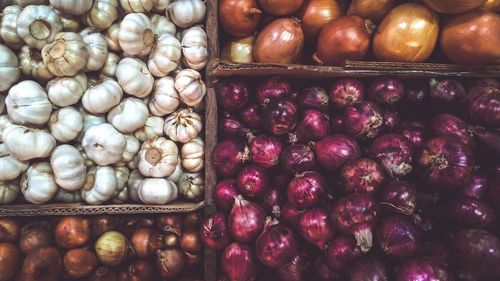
{"x":386,"y":90}
{"x":392,"y":121}
{"x":490,"y":140}
{"x":231,"y":127}
{"x":239,"y":262}
{"x":475,"y":187}
{"x":478,"y":253}
{"x":296,"y":269}
{"x":225,"y":192}
{"x":246,"y":220}
{"x":356,"y":214}
{"x":335,"y":151}
{"x":229,"y":157}
{"x":469,"y":212}
{"x":313,"y":126}
{"x":362,"y":175}
{"x":323,"y":272}
{"x":307,"y":189}
{"x":446,"y":163}
{"x":398,"y":237}
{"x":482,"y":105}
{"x":214,"y":231}
{"x":251,"y":116}
{"x":273,"y":88}
{"x":346,"y":92}
{"x":280,"y":179}
{"x":439,"y":251}
{"x":394,"y":152}
{"x":414,"y":132}
{"x":313,"y":98}
{"x":265,"y":151}
{"x":449,"y":125}
{"x":232,"y":94}
{"x":297,"y":158}
{"x":423,"y":268}
{"x":341,"y":253}
{"x":368,"y":269}
{"x":315,"y":227}
{"x":253,"y":181}
{"x":276,"y":245}
{"x":272,"y":201}
{"x":363,"y":120}
{"x":398,"y":197}
{"x":337,"y":124}
{"x":291,"y":214}
{"x":448,"y":91}
{"x":416,"y":93}
{"x":494,"y":190}
{"x":487,"y":82}
{"x":280,"y":117}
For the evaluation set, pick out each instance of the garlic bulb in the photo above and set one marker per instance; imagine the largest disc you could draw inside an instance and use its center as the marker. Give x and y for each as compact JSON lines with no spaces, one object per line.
{"x":185,"y":13}
{"x":96,"y":47}
{"x":128,"y":116}
{"x":136,"y":35}
{"x":88,"y":163}
{"x":165,"y":56}
{"x":8,"y":26}
{"x":157,"y":191}
{"x":64,"y":196}
{"x":68,"y":167}
{"x":165,"y":98}
{"x":24,"y":3}
{"x":193,"y":155}
{"x":110,"y":65}
{"x":26,"y":143}
{"x":192,"y":186}
{"x":102,"y":14}
{"x":194,"y":48}
{"x":153,"y":128}
{"x":2,"y":105}
{"x":183,"y":125}
{"x":132,"y":165}
{"x":102,"y":97}
{"x":66,"y":55}
{"x":91,"y":120}
{"x":159,"y":6}
{"x":190,"y":86}
{"x":158,"y":157}
{"x":111,"y":37}
{"x":4,"y":123}
{"x":27,"y":103}
{"x":104,"y":144}
{"x":10,"y":167}
{"x":134,"y":77}
{"x":137,"y":6}
{"x":134,"y":180}
{"x":9,"y":192}
{"x":121,"y":193}
{"x":38,"y":25}
{"x":100,"y":185}
{"x":131,"y":150}
{"x":65,"y":91}
{"x":176,"y":175}
{"x":38,"y":184}
{"x":32,"y":65}
{"x":70,"y":24}
{"x":65,"y":124}
{"x":161,"y":25}
{"x":9,"y":68}
{"x":72,"y":7}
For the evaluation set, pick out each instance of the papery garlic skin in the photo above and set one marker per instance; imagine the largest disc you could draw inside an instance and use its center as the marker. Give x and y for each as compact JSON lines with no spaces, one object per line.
{"x":65,"y":124}
{"x":90,"y":120}
{"x":65,"y":91}
{"x":185,"y":13}
{"x":66,"y":55}
{"x":70,"y":23}
{"x":4,"y":123}
{"x":183,"y":125}
{"x":153,"y":128}
{"x":102,"y":97}
{"x":161,"y":25}
{"x":158,"y":157}
{"x":102,"y":14}
{"x":195,"y":48}
{"x":128,"y":116}
{"x":190,"y":86}
{"x":38,"y":184}
{"x":32,"y":65}
{"x":110,"y":65}
{"x":104,"y":144}
{"x":100,"y":185}
{"x":8,"y":27}
{"x":165,"y":98}
{"x":72,"y":7}
{"x":165,"y":56}
{"x":111,"y":37}
{"x":9,"y":68}
{"x":131,"y":149}
{"x":8,"y":192}
{"x":136,"y":35}
{"x":121,"y":192}
{"x":10,"y":167}
{"x":157,"y":191}
{"x":193,"y":155}
{"x":134,"y":77}
{"x":26,"y":143}
{"x":134,"y":180}
{"x":68,"y":166}
{"x":136,"y":6}
{"x":64,"y":196}
{"x":38,"y":25}
{"x":96,"y":47}
{"x":192,"y":186}
{"x":176,"y":175}
{"x":27,"y":103}
{"x":24,"y":3}
{"x":159,"y":6}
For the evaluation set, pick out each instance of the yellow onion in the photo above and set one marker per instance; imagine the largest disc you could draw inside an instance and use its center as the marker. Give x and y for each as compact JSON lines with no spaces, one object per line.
{"x":408,"y":34}
{"x":239,"y":17}
{"x":10,"y":261}
{"x":9,"y":230}
{"x":281,"y":7}
{"x":112,"y":248}
{"x":472,"y":38}
{"x":281,"y":41}
{"x":493,"y":5}
{"x":315,"y":14}
{"x":239,"y":50}
{"x":72,"y":232}
{"x":455,"y":6}
{"x":374,"y":10}
{"x":79,"y":263}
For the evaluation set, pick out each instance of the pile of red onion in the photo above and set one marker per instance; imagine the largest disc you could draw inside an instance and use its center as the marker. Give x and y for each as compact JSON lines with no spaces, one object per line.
{"x":359,"y":180}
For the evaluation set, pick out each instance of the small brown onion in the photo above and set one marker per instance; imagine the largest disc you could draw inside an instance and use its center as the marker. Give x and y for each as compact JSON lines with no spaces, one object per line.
{"x":190,"y":241}
{"x":315,"y":14}
{"x":170,"y":240}
{"x":472,"y":38}
{"x":10,"y":261}
{"x":43,"y":264}
{"x":192,"y":220}
{"x":146,"y":241}
{"x":72,"y":232}
{"x":9,"y":230}
{"x":141,"y":270}
{"x":170,"y":262}
{"x":281,"y":41}
{"x":239,"y":17}
{"x":103,"y":274}
{"x":34,"y":236}
{"x":101,"y":224}
{"x":493,"y":5}
{"x":344,"y":38}
{"x":374,"y":10}
{"x":280,"y":7}
{"x":239,"y":50}
{"x":192,"y":260}
{"x":127,"y":225}
{"x":454,"y":7}
{"x":112,"y":248}
{"x":145,"y":222}
{"x":79,"y":262}
{"x":170,"y":223}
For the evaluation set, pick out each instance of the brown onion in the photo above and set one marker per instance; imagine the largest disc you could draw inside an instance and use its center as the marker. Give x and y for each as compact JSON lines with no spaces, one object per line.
{"x":281,"y":41}
{"x":79,"y":262}
{"x":170,"y":240}
{"x":192,"y":220}
{"x":146,"y":241}
{"x":280,"y":7}
{"x":72,"y":232}
{"x":239,"y":50}
{"x":34,"y":236}
{"x":141,"y":270}
{"x":493,"y":5}
{"x":472,"y":38}
{"x":239,"y":17}
{"x":170,"y":263}
{"x":112,"y":248}
{"x":192,"y":260}
{"x":101,"y":224}
{"x":43,"y":264}
{"x":9,"y":230}
{"x":374,"y":10}
{"x":315,"y":14}
{"x":344,"y":38}
{"x":10,"y":260}
{"x":170,"y":223}
{"x":408,"y":34}
{"x":190,"y":241}
{"x":103,"y":274}
{"x":453,"y":7}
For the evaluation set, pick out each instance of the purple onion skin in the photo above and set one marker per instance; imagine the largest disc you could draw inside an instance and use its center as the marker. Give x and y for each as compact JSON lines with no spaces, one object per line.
{"x":239,"y":262}
{"x":265,"y":150}
{"x":449,"y":125}
{"x":398,"y":197}
{"x":362,"y":175}
{"x":345,"y":92}
{"x":490,"y":139}
{"x":494,"y":190}
{"x":439,"y":251}
{"x":394,"y":152}
{"x":392,"y":120}
{"x":368,"y":269}
{"x":423,"y":268}
{"x":232,"y":94}
{"x":251,"y":116}
{"x":337,"y":124}
{"x":414,"y":132}
{"x":280,"y":180}
{"x":446,"y":163}
{"x":476,"y":187}
{"x":280,"y":117}
{"x":307,"y":189}
{"x":482,"y":105}
{"x":447,"y":91}
{"x":231,"y":127}
{"x":214,"y":231}
{"x":313,"y":98}
{"x":253,"y":181}
{"x":323,"y":272}
{"x":272,"y":201}
{"x":341,"y":253}
{"x":416,"y":93}
{"x":386,"y":90}
{"x":313,"y":126}
{"x":298,"y":158}
{"x":297,"y":269}
{"x":469,"y":212}
{"x":229,"y":157}
{"x":249,"y":214}
{"x":315,"y":227}
{"x":487,"y":82}
{"x":334,"y":151}
{"x":291,"y":214}
{"x":273,"y":88}
{"x":363,"y":120}
{"x":225,"y":192}
{"x":478,"y":254}
{"x":398,"y":237}
{"x":276,"y":246}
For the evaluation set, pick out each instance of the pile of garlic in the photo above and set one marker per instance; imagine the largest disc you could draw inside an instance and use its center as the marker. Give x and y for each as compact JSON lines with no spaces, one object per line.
{"x":100,"y":101}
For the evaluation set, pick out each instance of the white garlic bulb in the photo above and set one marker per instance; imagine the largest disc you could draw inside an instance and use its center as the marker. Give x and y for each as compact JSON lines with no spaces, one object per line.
{"x":65,"y":91}
{"x":4,"y":123}
{"x":157,"y":191}
{"x":72,"y":7}
{"x":185,"y":13}
{"x":27,"y":103}
{"x":102,"y":97}
{"x":8,"y":26}
{"x":38,"y":25}
{"x":176,"y":175}
{"x":161,"y":25}
{"x":159,"y":6}
{"x":121,"y":193}
{"x":10,"y":167}
{"x":192,"y":186}
{"x":24,"y":3}
{"x":158,"y":157}
{"x":68,"y":166}
{"x":38,"y":184}
{"x":96,"y":47}
{"x":109,"y":67}
{"x":26,"y":143}
{"x":190,"y":86}
{"x":193,"y":155}
{"x":153,"y":128}
{"x":65,"y":124}
{"x":165,"y":56}
{"x":100,"y":185}
{"x":134,"y":77}
{"x":66,"y":55}
{"x":183,"y":125}
{"x":136,"y":6}
{"x":111,"y":37}
{"x":194,"y":48}
{"x":136,"y":35}
{"x":134,"y":180}
{"x":9,"y":68}
{"x":91,"y":120}
{"x":102,"y":14}
{"x":165,"y":98}
{"x":64,"y":196}
{"x":8,"y":192}
{"x":32,"y":65}
{"x":104,"y":144}
{"x":128,"y":116}
{"x":131,"y":150}
{"x":70,"y":23}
